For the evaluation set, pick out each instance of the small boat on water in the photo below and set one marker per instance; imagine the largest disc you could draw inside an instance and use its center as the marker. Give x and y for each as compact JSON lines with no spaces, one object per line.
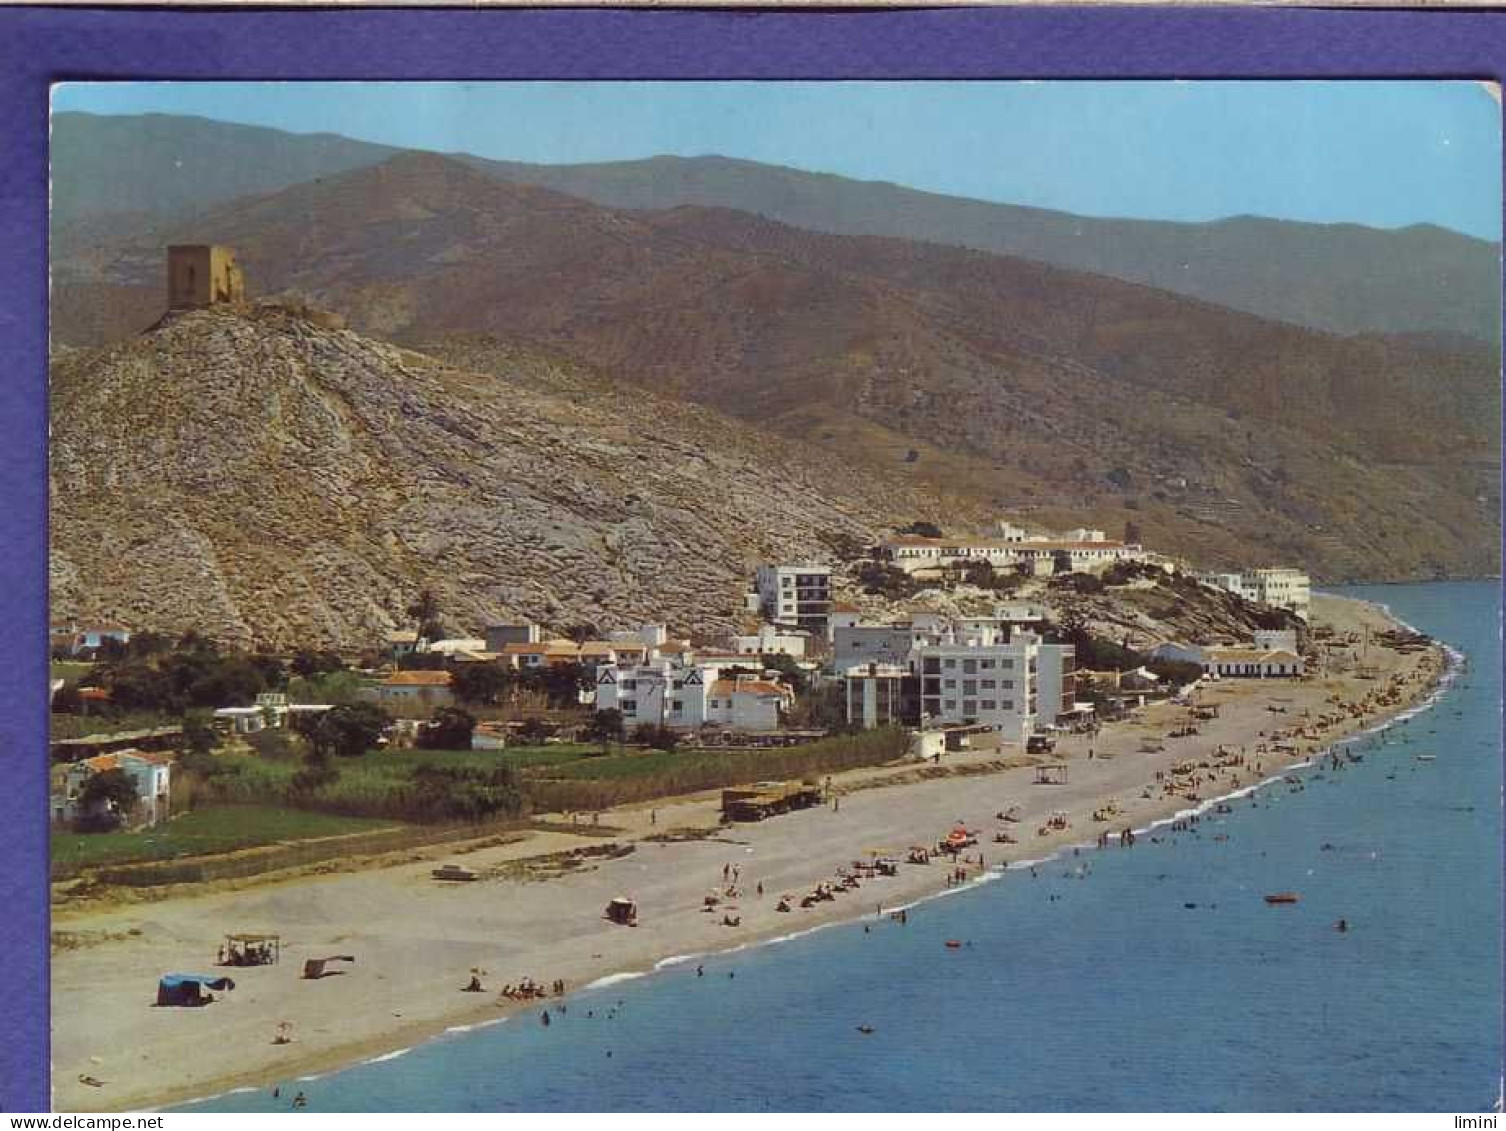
{"x":953,"y":944}
{"x":1283,"y":897}
{"x":1427,"y":757}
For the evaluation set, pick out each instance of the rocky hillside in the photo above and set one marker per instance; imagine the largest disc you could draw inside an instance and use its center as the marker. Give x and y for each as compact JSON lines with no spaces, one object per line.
{"x":255,"y":475}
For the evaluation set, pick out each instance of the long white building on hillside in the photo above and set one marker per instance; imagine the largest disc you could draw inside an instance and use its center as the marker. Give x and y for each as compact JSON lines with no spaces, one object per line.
{"x":1280,"y":587}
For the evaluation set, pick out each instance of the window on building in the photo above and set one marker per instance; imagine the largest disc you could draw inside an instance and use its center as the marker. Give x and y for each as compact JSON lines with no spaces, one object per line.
{"x":969,"y":687}
{"x":949,"y":663}
{"x":1007,"y":665}
{"x":969,"y":666}
{"x":950,"y":704}
{"x":986,"y":665}
{"x":988,"y":684}
{"x":628,"y":706}
{"x":949,"y":684}
{"x":969,"y":706}
{"x":988,"y":705}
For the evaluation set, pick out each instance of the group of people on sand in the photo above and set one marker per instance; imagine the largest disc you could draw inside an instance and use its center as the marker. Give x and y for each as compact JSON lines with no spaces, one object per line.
{"x":526,"y":990}
{"x":245,"y":954}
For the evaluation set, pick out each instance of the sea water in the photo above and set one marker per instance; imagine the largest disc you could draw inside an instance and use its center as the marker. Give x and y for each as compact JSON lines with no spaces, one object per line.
{"x":1149,"y":978}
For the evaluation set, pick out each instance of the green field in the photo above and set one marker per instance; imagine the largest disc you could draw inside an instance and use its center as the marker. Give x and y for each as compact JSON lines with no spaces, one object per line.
{"x":69,"y":669}
{"x":202,"y":831}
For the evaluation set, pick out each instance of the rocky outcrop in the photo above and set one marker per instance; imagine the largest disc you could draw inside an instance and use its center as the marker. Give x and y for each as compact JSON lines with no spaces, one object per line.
{"x":263,"y":478}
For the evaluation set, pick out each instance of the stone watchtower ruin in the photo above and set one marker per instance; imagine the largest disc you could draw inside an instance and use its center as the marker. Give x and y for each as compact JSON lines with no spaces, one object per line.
{"x":202,"y":274}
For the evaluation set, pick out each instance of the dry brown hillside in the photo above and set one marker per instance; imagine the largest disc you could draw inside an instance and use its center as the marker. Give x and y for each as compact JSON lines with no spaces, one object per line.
{"x":250,"y":474}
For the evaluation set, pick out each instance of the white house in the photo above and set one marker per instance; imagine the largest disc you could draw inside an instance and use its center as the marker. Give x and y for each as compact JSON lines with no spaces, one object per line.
{"x":748,"y":703}
{"x":1253,"y":662}
{"x":412,"y":689}
{"x":1276,"y":639}
{"x":769,"y":641}
{"x":151,"y":773}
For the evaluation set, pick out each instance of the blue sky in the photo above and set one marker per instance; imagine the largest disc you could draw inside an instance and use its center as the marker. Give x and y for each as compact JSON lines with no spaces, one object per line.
{"x":1386,"y":154}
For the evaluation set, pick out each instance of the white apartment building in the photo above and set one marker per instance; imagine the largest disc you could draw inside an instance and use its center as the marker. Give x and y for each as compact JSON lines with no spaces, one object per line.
{"x":1280,"y":587}
{"x":974,"y":678}
{"x":795,"y":596}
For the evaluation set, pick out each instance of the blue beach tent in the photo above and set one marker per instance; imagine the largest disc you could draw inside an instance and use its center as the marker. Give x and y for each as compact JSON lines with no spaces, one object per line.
{"x":190,"y":989}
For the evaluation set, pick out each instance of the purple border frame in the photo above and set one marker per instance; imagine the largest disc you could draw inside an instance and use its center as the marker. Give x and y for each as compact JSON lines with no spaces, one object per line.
{"x":41,"y":45}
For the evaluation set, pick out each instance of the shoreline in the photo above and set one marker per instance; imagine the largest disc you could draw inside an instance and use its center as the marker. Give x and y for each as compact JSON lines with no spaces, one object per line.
{"x":1428,"y":674}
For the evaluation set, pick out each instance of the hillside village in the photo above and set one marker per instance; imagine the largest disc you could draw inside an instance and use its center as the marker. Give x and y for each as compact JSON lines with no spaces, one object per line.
{"x":956,"y":640}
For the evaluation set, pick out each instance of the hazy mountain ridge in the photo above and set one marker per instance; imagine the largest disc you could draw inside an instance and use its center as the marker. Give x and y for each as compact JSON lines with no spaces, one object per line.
{"x":1341,"y":277}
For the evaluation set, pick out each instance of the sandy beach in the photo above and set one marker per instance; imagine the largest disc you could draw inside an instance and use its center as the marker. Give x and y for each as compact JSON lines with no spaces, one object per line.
{"x":416,"y":941}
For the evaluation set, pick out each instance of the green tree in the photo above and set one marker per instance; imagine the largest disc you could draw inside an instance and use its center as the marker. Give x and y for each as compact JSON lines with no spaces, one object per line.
{"x":346,"y":731}
{"x":789,"y":670}
{"x":113,"y":789}
{"x":480,"y":684}
{"x":425,"y":613}
{"x":199,"y":742}
{"x":563,"y":683}
{"x":449,"y":729}
{"x":922,"y":529}
{"x":308,"y":663}
{"x":656,"y":737}
{"x":533,"y":731}
{"x":334,"y":687}
{"x":605,"y":727}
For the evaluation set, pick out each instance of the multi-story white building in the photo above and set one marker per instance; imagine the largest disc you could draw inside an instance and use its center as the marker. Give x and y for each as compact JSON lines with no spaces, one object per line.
{"x":975,"y":678}
{"x":795,"y":596}
{"x":1280,"y":587}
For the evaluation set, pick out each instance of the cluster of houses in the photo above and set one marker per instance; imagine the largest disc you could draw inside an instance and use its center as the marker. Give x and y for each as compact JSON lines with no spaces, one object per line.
{"x":993,"y":674}
{"x":1081,"y":551}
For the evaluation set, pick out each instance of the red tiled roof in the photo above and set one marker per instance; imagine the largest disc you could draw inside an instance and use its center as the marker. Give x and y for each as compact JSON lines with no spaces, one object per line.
{"x":418,"y":679}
